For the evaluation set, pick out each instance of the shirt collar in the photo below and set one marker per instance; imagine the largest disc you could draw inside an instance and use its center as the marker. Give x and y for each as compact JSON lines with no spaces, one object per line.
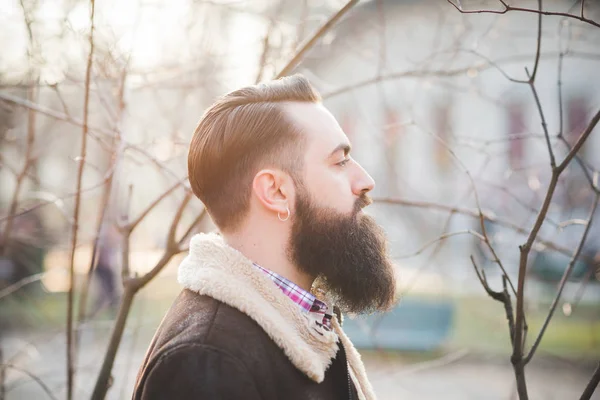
{"x":304,"y":299}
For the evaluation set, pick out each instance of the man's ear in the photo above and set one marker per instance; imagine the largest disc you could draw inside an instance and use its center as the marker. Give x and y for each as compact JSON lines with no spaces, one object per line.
{"x":274,"y":189}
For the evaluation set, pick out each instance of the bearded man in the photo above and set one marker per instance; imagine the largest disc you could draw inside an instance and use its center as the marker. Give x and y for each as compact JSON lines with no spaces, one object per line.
{"x":256,"y":318}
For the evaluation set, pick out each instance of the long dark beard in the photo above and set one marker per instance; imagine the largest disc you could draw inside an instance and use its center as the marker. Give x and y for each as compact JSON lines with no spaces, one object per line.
{"x":347,"y":254}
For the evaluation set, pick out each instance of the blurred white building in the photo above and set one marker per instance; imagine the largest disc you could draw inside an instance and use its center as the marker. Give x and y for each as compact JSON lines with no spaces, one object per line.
{"x":424,"y":94}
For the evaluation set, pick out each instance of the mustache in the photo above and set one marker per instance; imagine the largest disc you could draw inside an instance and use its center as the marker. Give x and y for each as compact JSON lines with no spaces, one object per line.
{"x":363,"y":201}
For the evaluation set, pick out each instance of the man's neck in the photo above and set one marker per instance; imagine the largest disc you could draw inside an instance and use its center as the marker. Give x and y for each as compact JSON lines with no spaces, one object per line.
{"x":268,"y":251}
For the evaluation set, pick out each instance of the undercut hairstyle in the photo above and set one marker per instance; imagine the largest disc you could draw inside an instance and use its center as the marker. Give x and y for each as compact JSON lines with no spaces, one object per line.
{"x":241,"y":133}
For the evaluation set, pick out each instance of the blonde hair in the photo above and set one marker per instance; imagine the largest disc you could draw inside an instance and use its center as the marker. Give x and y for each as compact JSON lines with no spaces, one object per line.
{"x":242,"y":132}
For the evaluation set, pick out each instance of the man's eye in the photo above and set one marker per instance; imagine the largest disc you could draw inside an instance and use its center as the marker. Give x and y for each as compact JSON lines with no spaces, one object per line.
{"x":343,"y":162}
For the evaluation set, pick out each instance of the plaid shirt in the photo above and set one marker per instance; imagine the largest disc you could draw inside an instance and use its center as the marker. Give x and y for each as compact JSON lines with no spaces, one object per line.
{"x":305,"y":300}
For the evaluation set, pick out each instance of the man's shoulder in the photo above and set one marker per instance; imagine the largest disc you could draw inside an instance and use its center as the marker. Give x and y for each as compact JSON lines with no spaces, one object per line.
{"x":195,"y":344}
{"x":195,"y":319}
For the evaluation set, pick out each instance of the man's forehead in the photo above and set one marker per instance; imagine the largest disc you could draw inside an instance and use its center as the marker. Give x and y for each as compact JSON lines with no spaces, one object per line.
{"x":317,"y":123}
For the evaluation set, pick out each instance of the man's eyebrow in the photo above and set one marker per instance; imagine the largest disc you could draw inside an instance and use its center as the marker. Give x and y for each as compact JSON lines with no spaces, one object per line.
{"x":343,"y":146}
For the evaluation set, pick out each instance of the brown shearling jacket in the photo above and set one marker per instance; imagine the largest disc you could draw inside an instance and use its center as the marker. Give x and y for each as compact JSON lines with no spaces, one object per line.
{"x":205,"y":349}
{"x":232,"y":334}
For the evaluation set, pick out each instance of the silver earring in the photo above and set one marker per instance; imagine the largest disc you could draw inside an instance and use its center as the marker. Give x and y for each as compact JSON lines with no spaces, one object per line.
{"x":287,"y":216}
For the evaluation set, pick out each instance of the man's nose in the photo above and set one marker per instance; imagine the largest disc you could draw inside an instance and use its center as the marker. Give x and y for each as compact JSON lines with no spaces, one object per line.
{"x":364,"y":182}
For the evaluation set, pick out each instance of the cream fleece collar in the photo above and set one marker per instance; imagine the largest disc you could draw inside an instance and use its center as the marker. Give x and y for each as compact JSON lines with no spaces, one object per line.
{"x":217,"y":270}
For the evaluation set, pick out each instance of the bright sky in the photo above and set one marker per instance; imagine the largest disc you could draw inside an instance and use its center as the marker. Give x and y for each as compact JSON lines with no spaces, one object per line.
{"x":155,"y":32}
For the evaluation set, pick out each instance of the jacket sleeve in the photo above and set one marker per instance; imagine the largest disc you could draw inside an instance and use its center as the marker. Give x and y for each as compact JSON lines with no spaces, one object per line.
{"x":199,"y":372}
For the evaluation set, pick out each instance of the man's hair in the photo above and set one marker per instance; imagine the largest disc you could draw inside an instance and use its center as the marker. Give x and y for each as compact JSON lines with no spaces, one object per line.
{"x":242,"y":132}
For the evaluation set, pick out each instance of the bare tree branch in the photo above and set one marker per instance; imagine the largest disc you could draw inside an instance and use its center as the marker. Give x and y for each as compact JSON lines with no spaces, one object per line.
{"x":21,"y":283}
{"x":408,"y":286}
{"x":193,"y":225}
{"x":531,"y":84}
{"x":27,"y":164}
{"x":131,"y":226}
{"x":71,"y":356}
{"x":508,"y":8}
{"x":584,"y":281}
{"x":594,"y":381}
{"x":472,"y":213}
{"x":503,"y":297}
{"x":95,"y":132}
{"x":116,"y":151}
{"x":440,"y":238}
{"x":580,"y":141}
{"x":266,"y":42}
{"x":132,"y":285}
{"x":487,"y":241}
{"x":517,"y":357}
{"x":315,"y":38}
{"x":425,"y":72}
{"x":2,"y":375}
{"x":538,"y":45}
{"x":585,"y":168}
{"x":564,"y":280}
{"x":40,"y":382}
{"x":301,"y":25}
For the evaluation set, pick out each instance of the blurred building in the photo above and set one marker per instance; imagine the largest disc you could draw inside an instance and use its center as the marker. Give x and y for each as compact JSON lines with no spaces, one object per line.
{"x":423,"y":93}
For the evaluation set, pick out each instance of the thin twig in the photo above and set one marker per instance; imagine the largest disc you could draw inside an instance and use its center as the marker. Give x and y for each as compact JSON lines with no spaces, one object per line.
{"x":103,"y":381}
{"x":94,"y":131}
{"x":57,"y":201}
{"x":315,"y":38}
{"x":115,"y":152}
{"x":472,"y":213}
{"x":172,"y":245}
{"x":591,"y":177}
{"x":526,"y":205}
{"x":21,"y":283}
{"x":2,"y":374}
{"x":503,"y":297}
{"x":39,"y":381}
{"x":585,"y":168}
{"x":559,"y":84}
{"x":580,"y":141}
{"x":564,"y":279}
{"x":441,"y":362}
{"x":71,"y":357}
{"x":584,"y":281}
{"x":427,"y":73}
{"x":301,"y":25}
{"x":266,"y":42}
{"x":27,"y":164}
{"x":574,"y":221}
{"x":441,"y":238}
{"x":408,"y":286}
{"x":508,"y":8}
{"x":592,"y":384}
{"x":141,"y":311}
{"x":100,"y":226}
{"x":531,"y":84}
{"x":131,"y":226}
{"x":193,"y":225}
{"x":538,"y":46}
{"x":517,"y":356}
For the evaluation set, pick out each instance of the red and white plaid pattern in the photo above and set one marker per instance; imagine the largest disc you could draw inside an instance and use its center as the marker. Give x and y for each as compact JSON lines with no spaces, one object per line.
{"x":305,"y":300}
